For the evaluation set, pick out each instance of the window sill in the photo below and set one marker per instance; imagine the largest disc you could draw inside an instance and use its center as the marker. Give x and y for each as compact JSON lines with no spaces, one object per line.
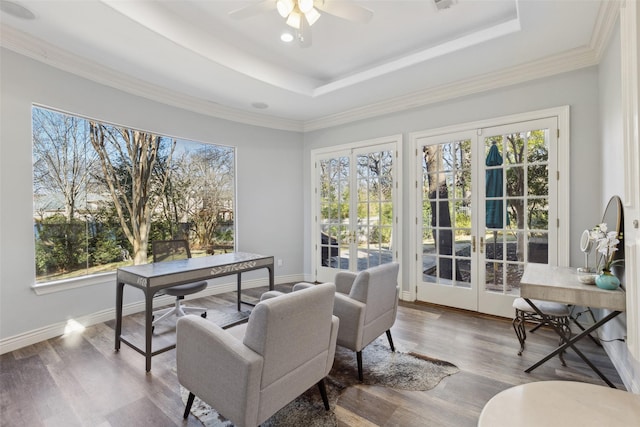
{"x":78,"y":282}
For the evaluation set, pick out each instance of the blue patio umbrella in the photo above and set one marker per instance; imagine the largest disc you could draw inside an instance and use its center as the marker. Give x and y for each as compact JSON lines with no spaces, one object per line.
{"x":493,"y":188}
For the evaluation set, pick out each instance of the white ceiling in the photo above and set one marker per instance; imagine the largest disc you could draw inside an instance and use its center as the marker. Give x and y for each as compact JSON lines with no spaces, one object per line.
{"x":192,"y":54}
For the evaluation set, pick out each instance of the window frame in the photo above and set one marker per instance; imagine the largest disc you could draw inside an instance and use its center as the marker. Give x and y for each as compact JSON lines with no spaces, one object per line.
{"x":52,"y":286}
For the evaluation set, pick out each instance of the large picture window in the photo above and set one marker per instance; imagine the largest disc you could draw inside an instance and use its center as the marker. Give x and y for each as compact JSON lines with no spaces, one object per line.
{"x":102,"y":193}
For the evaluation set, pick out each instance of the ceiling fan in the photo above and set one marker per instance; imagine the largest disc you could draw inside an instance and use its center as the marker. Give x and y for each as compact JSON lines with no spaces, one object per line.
{"x":302,"y":14}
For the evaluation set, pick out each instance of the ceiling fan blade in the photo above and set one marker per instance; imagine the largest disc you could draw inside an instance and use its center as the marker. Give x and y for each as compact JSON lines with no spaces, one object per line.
{"x":253,"y":9}
{"x":304,"y":33}
{"x":345,"y":10}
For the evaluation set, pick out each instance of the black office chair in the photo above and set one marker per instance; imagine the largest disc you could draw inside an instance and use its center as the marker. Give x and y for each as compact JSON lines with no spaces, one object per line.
{"x":169,"y":250}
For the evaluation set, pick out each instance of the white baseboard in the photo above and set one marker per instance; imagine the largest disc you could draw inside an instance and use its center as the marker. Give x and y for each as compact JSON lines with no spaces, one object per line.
{"x":627,"y":367}
{"x":407,"y":296}
{"x":57,"y":329}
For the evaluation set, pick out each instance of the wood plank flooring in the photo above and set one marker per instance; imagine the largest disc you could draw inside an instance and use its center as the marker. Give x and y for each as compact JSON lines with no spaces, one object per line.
{"x":79,"y":380}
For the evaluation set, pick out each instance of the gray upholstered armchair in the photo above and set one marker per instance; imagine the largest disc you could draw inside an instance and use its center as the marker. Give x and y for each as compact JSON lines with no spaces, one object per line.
{"x":366,"y":303}
{"x":249,"y":372}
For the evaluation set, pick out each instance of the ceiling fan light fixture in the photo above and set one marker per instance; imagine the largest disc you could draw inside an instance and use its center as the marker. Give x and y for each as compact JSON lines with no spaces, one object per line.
{"x":305,"y":5}
{"x":294,"y":20}
{"x":285,"y":7}
{"x":286,"y":37}
{"x":312,"y":16}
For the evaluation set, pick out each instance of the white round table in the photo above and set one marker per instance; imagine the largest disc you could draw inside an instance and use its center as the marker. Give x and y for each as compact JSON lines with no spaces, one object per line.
{"x":561,"y":403}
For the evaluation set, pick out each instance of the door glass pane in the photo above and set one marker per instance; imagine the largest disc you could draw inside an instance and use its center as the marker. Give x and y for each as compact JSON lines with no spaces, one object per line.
{"x":517,"y":211}
{"x":374,"y":208}
{"x":446,"y":188}
{"x":334,"y":211}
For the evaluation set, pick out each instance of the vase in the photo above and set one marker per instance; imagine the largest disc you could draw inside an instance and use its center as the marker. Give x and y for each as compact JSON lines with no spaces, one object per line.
{"x":606,"y":280}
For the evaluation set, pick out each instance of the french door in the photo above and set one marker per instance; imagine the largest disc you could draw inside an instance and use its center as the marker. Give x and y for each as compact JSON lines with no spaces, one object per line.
{"x":487,"y":205}
{"x":355,"y":201}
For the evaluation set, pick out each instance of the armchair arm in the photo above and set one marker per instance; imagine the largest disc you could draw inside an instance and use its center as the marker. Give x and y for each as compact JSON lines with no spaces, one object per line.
{"x":301,"y":285}
{"x":351,"y":314}
{"x":218,"y":368}
{"x":344,"y":280}
{"x":270,"y":294}
{"x":335,"y":323}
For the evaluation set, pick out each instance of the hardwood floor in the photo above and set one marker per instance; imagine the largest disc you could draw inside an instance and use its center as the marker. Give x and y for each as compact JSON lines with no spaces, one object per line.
{"x":79,"y":380}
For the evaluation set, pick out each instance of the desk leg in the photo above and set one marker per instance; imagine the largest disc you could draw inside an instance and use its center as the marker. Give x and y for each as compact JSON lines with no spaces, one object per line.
{"x":148,"y":331}
{"x":119,"y":292}
{"x":572,"y":341}
{"x":271,"y":277}
{"x":239,"y":285}
{"x":579,"y":325}
{"x":239,"y":289}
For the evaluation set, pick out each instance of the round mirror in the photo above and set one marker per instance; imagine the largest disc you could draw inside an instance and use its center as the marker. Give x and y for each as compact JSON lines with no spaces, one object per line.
{"x":614,"y":218}
{"x":585,"y":242}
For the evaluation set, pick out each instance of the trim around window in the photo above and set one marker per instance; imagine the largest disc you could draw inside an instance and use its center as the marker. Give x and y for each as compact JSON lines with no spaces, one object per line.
{"x":77,"y":282}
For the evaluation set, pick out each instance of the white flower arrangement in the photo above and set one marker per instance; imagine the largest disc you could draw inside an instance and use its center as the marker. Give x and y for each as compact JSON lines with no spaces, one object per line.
{"x":607,"y":245}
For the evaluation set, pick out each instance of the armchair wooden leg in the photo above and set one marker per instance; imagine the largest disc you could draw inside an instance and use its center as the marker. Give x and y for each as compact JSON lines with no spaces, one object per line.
{"x":359,"y":359}
{"x":390,"y":340}
{"x":189,"y":403}
{"x":323,"y":393}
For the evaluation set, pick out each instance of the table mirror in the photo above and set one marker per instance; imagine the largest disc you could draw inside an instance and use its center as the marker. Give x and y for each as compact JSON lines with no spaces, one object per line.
{"x":614,"y":218}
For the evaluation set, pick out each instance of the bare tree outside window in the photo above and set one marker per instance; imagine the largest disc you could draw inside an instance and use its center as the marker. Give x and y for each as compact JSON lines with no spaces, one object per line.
{"x":129,"y":160}
{"x":102,"y":193}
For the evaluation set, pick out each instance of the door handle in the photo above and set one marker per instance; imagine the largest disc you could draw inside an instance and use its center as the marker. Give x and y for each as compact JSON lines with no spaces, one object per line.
{"x":473,"y":243}
{"x":481,"y":245}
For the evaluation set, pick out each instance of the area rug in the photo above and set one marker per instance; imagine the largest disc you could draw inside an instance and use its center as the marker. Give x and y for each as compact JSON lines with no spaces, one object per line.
{"x":381,"y":367}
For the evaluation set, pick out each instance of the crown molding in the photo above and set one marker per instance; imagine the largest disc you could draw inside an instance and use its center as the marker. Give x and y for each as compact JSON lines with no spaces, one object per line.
{"x":567,"y":61}
{"x":603,"y":29}
{"x":557,"y":64}
{"x":42,"y":51}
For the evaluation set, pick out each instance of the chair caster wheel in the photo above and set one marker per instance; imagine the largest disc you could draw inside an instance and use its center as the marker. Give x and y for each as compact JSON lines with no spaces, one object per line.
{"x":204,"y":315}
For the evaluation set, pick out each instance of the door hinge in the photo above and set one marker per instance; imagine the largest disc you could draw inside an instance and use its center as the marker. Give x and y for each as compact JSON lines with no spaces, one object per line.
{"x":557,"y":175}
{"x":558,"y":132}
{"x":557,"y":222}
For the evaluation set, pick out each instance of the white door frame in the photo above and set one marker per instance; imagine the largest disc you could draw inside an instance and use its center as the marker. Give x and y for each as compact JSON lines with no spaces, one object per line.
{"x":563,"y":183}
{"x":393,"y":140}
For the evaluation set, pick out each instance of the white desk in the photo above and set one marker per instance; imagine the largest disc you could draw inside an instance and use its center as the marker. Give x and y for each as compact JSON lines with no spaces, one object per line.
{"x":151,"y":278}
{"x":561,"y":284}
{"x":561,"y":404}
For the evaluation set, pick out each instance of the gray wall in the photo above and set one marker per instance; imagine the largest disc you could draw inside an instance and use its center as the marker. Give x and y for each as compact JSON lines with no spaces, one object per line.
{"x":578,"y":89}
{"x":269,"y":188}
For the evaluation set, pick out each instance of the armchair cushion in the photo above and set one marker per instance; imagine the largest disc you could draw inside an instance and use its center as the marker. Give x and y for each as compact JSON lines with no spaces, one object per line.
{"x":351,"y":314}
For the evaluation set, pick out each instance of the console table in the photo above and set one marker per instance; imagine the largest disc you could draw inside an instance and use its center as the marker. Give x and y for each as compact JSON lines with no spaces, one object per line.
{"x":560,"y":284}
{"x":153,"y":277}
